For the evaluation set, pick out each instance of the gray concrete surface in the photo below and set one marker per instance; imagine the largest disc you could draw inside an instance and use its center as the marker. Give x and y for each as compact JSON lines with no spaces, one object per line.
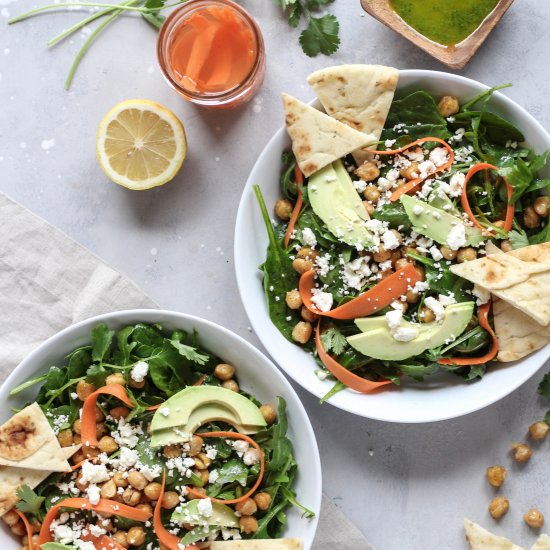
{"x":406,"y":487}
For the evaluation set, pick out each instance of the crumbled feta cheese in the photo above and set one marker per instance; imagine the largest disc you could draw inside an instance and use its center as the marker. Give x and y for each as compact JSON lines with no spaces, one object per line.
{"x":204,"y":507}
{"x":393,"y":318}
{"x":456,"y":183}
{"x":360,"y":185}
{"x":390,"y":241}
{"x":165,"y":411}
{"x":93,"y":493}
{"x":139,"y":371}
{"x":126,"y":434}
{"x":446,"y":299}
{"x":309,"y":237}
{"x":93,"y":473}
{"x":323,"y":300}
{"x":384,"y":266}
{"x":323,"y":265}
{"x":212,"y":453}
{"x":213,"y":476}
{"x":128,"y":457}
{"x":405,"y":334}
{"x":96,"y":530}
{"x":356,"y":272}
{"x":389,"y":143}
{"x":436,"y":253}
{"x":384,"y":184}
{"x":251,"y":456}
{"x":457,"y":236}
{"x":439,"y":311}
{"x":64,"y":534}
{"x":426,"y":168}
{"x":417,"y":209}
{"x":74,"y":395}
{"x":482,"y":294}
{"x":439,"y":156}
{"x":240,"y":446}
{"x":84,"y":544}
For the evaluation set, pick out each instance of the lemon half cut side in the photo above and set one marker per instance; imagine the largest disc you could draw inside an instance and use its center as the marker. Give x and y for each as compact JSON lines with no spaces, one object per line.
{"x":141,"y":144}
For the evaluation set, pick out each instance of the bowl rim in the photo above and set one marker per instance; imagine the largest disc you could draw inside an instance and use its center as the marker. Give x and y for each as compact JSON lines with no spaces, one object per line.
{"x":489,"y":399}
{"x":313,"y":469}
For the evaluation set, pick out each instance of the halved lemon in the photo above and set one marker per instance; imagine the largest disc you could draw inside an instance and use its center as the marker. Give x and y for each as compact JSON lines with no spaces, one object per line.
{"x":141,"y":144}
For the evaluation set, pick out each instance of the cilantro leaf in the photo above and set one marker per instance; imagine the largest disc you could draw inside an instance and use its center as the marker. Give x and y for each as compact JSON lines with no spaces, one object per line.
{"x":518,"y":239}
{"x":190,"y":353}
{"x":294,"y":15}
{"x":29,"y":501}
{"x":321,"y":36}
{"x":154,"y":4}
{"x":544,"y":386}
{"x":333,"y":340}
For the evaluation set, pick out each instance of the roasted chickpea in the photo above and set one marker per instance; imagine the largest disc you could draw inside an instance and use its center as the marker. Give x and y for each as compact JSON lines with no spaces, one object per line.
{"x":170,"y":500}
{"x":500,"y":224}
{"x":108,"y":489}
{"x":18,"y":529}
{"x":293,"y":299}
{"x":195,"y":445}
{"x":89,"y":451}
{"x":307,"y":315}
{"x":205,"y":459}
{"x":65,"y":438}
{"x":262,"y":500}
{"x":307,"y":253}
{"x":371,"y":193}
{"x":78,"y":457}
{"x":247,"y":507}
{"x":412,"y":297}
{"x":120,"y":480}
{"x":224,"y":371}
{"x":395,"y":256}
{"x":401,"y":263}
{"x":410,"y":172}
{"x":99,"y":416}
{"x":506,"y":246}
{"x":131,"y":496}
{"x":496,"y":475}
{"x":521,"y":452}
{"x":137,"y":480}
{"x":231,"y":385}
{"x":534,"y":518}
{"x":248,"y":524}
{"x":135,"y":536}
{"x":421,"y":272}
{"x":369,"y":207}
{"x":541,"y":206}
{"x":397,"y":235}
{"x":36,"y":525}
{"x":301,"y":332}
{"x":136,"y":384}
{"x":83,"y":390}
{"x":426,"y":315}
{"x":539,"y":430}
{"x":466,"y":255}
{"x":301,"y":265}
{"x":10,"y":518}
{"x":448,"y":105}
{"x":283,"y":209}
{"x":202,"y":475}
{"x":81,"y":484}
{"x":447,"y":253}
{"x":120,"y":537}
{"x":152,"y":490}
{"x":368,"y":171}
{"x":530,"y":218}
{"x":386,"y":274}
{"x":269,"y":413}
{"x":77,"y":426}
{"x":498,"y":507}
{"x":145,"y":506}
{"x":199,"y":464}
{"x":119,"y":412}
{"x":171,"y":451}
{"x":107,"y":444}
{"x":116,"y":378}
{"x":100,"y":430}
{"x":382,"y":255}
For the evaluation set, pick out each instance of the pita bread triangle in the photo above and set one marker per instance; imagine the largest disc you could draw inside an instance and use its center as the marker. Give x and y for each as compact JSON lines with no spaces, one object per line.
{"x":317,"y":139}
{"x":481,"y":539}
{"x":521,"y":277}
{"x":542,"y":543}
{"x":359,"y":96}
{"x":259,"y":544}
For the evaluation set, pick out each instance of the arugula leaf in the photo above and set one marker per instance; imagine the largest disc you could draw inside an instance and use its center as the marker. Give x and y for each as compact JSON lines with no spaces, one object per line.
{"x":522,"y":175}
{"x":101,"y":341}
{"x":393,"y":213}
{"x":29,"y":501}
{"x":333,"y":340}
{"x":232,"y":471}
{"x":320,"y":36}
{"x":518,"y":239}
{"x":336,"y":388}
{"x":544,"y":386}
{"x":418,"y":370}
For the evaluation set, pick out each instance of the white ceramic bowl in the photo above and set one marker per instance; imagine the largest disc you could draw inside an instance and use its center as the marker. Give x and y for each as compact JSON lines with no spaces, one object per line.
{"x":441,"y":396}
{"x":257,"y":375}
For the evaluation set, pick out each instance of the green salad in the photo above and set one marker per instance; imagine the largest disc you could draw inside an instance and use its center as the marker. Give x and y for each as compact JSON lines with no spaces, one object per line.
{"x":366,"y":263}
{"x":164,"y":448}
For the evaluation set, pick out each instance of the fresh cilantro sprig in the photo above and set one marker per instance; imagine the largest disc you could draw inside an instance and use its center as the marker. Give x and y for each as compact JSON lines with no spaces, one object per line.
{"x":29,"y":502}
{"x":321,"y":33}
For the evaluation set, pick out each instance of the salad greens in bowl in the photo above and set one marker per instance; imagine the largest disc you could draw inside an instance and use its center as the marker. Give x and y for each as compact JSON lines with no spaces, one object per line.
{"x":386,"y":280}
{"x":154,"y":429}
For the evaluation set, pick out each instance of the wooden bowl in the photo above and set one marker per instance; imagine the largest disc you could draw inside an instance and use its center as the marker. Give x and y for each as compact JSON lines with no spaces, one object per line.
{"x":455,"y":57}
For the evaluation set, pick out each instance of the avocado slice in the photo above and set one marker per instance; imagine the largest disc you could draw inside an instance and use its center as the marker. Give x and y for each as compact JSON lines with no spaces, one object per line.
{"x":334,"y":199}
{"x":56,"y":546}
{"x":435,"y":223}
{"x":178,"y":417}
{"x":222,"y":515}
{"x":379,"y":342}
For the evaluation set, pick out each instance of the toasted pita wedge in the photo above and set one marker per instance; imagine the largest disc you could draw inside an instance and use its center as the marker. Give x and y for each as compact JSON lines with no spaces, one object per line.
{"x":359,"y":96}
{"x":518,"y":334}
{"x":28,"y":441}
{"x":11,"y":478}
{"x":317,"y":139}
{"x":260,"y":544}
{"x":520,"y":277}
{"x":481,"y":539}
{"x":542,"y":543}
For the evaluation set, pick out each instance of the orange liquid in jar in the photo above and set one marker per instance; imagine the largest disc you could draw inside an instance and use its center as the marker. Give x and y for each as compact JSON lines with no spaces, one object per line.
{"x":212,"y":51}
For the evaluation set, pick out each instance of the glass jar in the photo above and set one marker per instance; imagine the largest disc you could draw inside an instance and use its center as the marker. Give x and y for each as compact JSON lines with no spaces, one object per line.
{"x":212,"y":53}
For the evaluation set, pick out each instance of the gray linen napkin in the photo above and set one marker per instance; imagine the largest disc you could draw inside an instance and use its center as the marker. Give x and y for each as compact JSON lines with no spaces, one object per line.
{"x":47,"y":282}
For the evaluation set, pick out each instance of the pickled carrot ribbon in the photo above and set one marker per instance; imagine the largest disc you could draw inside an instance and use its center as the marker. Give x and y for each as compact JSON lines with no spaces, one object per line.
{"x":28,"y":527}
{"x":381,"y":295}
{"x":299,"y":178}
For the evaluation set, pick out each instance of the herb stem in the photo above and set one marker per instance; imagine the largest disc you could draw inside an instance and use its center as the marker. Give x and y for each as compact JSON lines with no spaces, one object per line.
{"x":28,"y":384}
